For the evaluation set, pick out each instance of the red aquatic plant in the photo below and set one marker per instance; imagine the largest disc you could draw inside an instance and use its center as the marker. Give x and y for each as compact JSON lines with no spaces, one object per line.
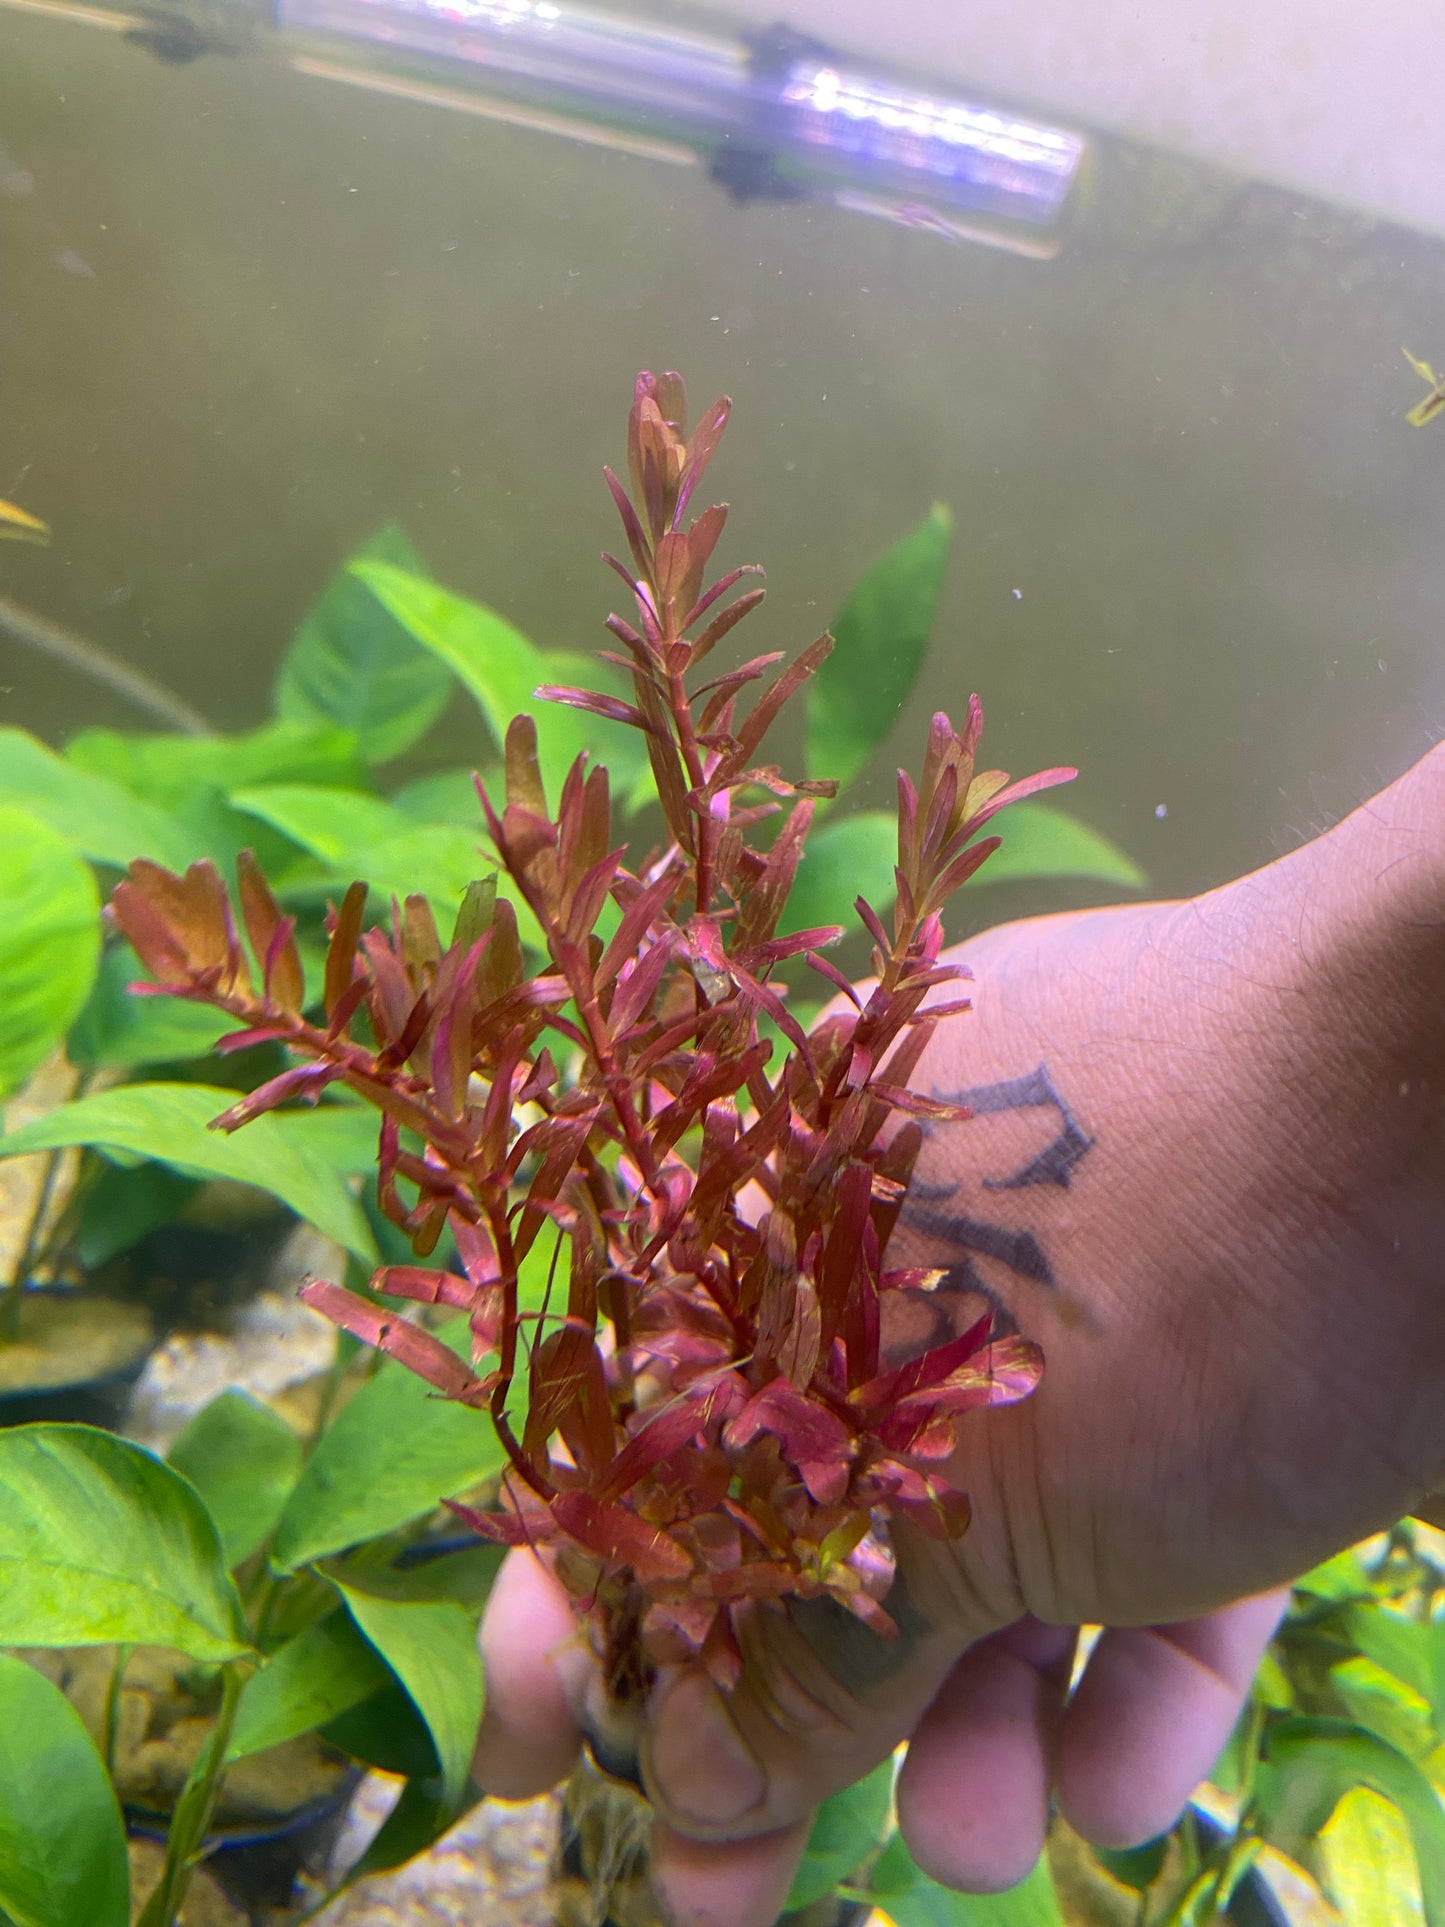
{"x":705,"y":1410}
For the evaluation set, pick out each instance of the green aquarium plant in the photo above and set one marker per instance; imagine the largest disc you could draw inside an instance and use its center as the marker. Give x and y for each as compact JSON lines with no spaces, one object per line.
{"x":203,"y":1646}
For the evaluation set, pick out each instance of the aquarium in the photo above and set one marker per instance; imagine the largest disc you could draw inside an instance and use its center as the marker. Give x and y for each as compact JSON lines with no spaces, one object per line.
{"x":1087,"y":363}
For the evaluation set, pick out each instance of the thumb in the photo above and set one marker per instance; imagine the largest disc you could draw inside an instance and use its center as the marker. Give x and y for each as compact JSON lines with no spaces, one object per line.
{"x":820,"y":1700}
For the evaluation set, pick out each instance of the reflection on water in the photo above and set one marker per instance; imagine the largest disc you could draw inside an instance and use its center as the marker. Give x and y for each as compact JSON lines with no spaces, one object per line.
{"x":247,"y":314}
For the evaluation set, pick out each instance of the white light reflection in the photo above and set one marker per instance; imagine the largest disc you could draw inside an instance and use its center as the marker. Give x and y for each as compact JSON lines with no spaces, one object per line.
{"x":909,"y":118}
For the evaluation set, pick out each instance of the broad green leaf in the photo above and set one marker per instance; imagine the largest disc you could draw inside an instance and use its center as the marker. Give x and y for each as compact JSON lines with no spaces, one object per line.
{"x":345,"y":1134}
{"x":49,"y":941}
{"x":325,"y":1671}
{"x":329,"y":823}
{"x":360,"y":836}
{"x":1383,"y":1702}
{"x":117,"y":1030}
{"x":1343,"y":1577}
{"x":392,"y":1454}
{"x":386,"y":1731}
{"x":444,"y":796}
{"x":62,"y":1841}
{"x":170,"y":770}
{"x":352,"y":662}
{"x":1040,"y":841}
{"x":880,"y":637}
{"x":1369,"y":1863}
{"x":1412,"y":1649}
{"x":500,"y":669}
{"x":846,"y":1829}
{"x":243,"y":1459}
{"x":431,"y":1646}
{"x":397,"y":1450}
{"x":911,"y":1899}
{"x":844,"y":858}
{"x":101,"y":1542}
{"x":1134,"y":1867}
{"x":97,"y":818}
{"x":852,"y":856}
{"x":464,"y":1575}
{"x":1311,"y":1764}
{"x":169,"y":1122}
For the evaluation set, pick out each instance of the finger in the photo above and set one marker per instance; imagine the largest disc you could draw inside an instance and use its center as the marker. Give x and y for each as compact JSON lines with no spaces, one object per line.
{"x":973,"y":1795}
{"x":1150,"y":1717}
{"x":821,"y":1700}
{"x":533,"y":1657}
{"x":741,"y":1884}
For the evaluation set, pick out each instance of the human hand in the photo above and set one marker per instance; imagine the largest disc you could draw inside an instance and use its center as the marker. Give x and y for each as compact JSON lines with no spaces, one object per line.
{"x":1207,"y":1173}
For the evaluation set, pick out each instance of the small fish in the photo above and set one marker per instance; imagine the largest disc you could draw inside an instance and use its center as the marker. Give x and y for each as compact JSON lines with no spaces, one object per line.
{"x":19,"y":525}
{"x":1434,"y":402}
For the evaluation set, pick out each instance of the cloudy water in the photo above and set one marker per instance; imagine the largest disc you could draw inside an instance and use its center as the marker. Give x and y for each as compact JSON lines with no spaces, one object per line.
{"x":249,"y":312}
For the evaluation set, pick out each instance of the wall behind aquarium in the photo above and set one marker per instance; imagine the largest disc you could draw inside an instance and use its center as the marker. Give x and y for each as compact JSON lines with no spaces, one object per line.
{"x":247,"y":314}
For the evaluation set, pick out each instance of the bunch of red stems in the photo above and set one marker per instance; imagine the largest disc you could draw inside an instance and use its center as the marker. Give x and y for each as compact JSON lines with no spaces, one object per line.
{"x":699,"y":1414}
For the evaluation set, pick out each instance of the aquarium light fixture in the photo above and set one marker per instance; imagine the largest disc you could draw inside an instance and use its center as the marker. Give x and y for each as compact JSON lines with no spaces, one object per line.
{"x":774,"y":114}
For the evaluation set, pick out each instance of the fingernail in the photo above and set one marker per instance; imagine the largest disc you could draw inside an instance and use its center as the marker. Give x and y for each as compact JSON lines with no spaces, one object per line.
{"x":699,"y":1767}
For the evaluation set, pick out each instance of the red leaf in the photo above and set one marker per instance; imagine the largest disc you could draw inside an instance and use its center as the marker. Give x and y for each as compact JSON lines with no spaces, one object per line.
{"x":805,"y":1429}
{"x":305,"y":1081}
{"x":341,"y":952}
{"x":674,"y":1425}
{"x":592,"y":700}
{"x":418,"y":1350}
{"x":620,"y":1537}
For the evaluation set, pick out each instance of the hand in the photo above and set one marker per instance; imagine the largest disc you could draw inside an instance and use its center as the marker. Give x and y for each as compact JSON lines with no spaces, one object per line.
{"x":1206,"y":1172}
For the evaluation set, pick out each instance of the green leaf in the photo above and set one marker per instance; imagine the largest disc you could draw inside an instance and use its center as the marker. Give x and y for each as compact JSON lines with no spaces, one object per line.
{"x":386,"y":1731}
{"x":1383,"y":1702}
{"x":846,"y":857}
{"x":500,"y":669}
{"x":1134,"y":1867}
{"x":62,"y":1842}
{"x":360,"y":836}
{"x":168,"y":1122}
{"x":172,"y":770}
{"x":1369,"y":1863}
{"x":1040,"y":841}
{"x":101,"y":1542}
{"x":852,"y":856}
{"x":442,"y":796}
{"x":117,"y":1030}
{"x":352,"y":662}
{"x":391,"y":1455}
{"x":846,"y":1829}
{"x":330,"y":823}
{"x":97,"y":818}
{"x":1343,"y":1577}
{"x":397,"y":1450}
{"x":911,"y":1899}
{"x":1309,"y":1766}
{"x":880,"y":637}
{"x":431,"y":1646}
{"x":49,"y":942}
{"x":243,"y":1459}
{"x":324,"y":1672}
{"x":1412,"y":1649}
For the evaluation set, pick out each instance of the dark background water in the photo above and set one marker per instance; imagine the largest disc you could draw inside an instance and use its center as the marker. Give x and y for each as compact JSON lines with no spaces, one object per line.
{"x":246,"y":315}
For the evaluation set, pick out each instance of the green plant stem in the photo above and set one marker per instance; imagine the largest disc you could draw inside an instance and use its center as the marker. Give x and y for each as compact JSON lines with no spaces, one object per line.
{"x":191,"y":1820}
{"x":112,"y":1705}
